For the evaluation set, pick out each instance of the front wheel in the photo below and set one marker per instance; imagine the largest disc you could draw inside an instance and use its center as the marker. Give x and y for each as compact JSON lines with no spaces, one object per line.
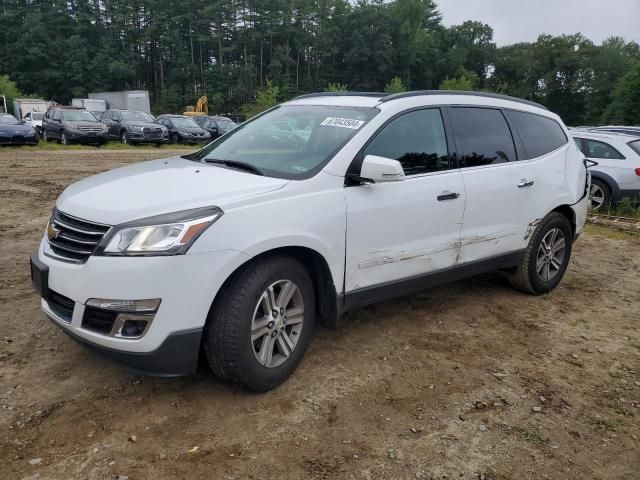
{"x":124,"y":138}
{"x":63,"y":139}
{"x":175,"y":139}
{"x":260,"y":326}
{"x":546,"y":258}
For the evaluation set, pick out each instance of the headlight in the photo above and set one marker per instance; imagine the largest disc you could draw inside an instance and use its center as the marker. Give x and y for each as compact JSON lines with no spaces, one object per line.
{"x":136,"y":128}
{"x":170,"y":234}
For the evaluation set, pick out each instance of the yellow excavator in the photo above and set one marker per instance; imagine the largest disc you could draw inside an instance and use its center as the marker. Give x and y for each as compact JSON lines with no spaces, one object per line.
{"x":201,"y":108}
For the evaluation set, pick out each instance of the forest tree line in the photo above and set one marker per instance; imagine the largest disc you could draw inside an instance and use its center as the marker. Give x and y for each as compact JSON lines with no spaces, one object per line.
{"x":247,"y":54}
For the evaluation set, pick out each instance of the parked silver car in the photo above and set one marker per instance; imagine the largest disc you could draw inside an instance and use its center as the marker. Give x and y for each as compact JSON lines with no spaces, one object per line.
{"x":617,"y":174}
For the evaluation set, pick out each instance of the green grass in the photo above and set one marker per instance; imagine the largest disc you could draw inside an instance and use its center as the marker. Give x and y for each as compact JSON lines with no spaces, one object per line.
{"x":529,"y":436}
{"x":602,"y":231}
{"x":54,"y":146}
{"x":625,"y":208}
{"x":606,"y":424}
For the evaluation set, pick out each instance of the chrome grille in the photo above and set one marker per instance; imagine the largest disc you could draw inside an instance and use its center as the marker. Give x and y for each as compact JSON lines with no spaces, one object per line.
{"x":89,"y":129}
{"x":74,"y":239}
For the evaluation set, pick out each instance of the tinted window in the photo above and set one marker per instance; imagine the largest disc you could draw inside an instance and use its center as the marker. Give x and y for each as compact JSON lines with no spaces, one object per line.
{"x":596,"y":149}
{"x":57,"y":115}
{"x":483,"y":136}
{"x":416,"y":139}
{"x":539,"y":135}
{"x":636,"y":146}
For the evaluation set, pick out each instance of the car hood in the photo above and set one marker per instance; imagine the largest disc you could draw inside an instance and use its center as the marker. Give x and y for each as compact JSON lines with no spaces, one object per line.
{"x":191,"y":130}
{"x":16,"y":129}
{"x":142,"y":124}
{"x":71,"y":123}
{"x":160,"y":186}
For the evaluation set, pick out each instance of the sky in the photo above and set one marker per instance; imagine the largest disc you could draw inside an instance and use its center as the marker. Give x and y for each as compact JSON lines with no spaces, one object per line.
{"x":524,"y":20}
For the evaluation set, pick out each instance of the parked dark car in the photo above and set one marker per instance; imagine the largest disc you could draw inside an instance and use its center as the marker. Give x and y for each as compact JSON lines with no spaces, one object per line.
{"x":183,"y":129}
{"x":13,"y":132}
{"x":130,"y":126}
{"x":215,"y":125}
{"x":72,"y":125}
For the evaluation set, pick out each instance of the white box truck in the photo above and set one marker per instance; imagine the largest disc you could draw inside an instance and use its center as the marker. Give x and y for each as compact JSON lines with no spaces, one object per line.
{"x":126,"y":100}
{"x":93,"y":105}
{"x":22,"y":106}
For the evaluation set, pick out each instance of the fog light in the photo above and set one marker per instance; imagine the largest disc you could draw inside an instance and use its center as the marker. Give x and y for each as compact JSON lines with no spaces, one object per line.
{"x":133,"y":328}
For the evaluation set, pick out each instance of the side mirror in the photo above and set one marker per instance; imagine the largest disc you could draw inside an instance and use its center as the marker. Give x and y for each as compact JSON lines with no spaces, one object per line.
{"x":380,"y":170}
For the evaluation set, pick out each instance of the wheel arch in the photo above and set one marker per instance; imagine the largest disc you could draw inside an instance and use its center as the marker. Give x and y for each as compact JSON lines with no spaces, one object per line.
{"x":608,"y":180}
{"x":328,"y":307}
{"x":568,"y":212}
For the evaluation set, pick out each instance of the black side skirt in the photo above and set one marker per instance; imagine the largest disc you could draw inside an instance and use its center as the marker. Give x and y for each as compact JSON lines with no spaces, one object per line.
{"x":386,"y":291}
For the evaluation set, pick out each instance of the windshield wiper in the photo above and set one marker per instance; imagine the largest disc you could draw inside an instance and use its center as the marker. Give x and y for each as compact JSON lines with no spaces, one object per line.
{"x":236,"y":164}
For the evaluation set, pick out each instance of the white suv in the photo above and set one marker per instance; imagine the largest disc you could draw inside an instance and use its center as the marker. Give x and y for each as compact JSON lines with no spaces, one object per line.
{"x":238,"y":249}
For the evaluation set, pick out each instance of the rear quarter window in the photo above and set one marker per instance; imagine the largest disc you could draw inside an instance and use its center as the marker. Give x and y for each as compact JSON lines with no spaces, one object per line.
{"x":540,"y":135}
{"x":635,"y":146}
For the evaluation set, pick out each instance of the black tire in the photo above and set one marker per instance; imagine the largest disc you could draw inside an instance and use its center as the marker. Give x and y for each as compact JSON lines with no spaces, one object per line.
{"x":175,"y":138}
{"x":606,"y":192}
{"x":44,"y":135}
{"x":124,"y":138}
{"x":227,"y":336}
{"x":63,"y":138}
{"x":526,"y":276}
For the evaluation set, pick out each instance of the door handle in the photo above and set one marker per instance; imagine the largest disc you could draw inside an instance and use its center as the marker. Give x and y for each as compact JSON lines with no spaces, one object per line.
{"x":448,"y":196}
{"x":525,"y":183}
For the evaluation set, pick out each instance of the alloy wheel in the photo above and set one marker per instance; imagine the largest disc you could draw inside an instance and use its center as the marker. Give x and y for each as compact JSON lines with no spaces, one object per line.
{"x":551,"y":253}
{"x":596,"y":197}
{"x":277,"y":323}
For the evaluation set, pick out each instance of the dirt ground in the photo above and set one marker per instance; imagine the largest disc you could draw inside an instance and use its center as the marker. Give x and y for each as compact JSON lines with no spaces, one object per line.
{"x":472,"y":380}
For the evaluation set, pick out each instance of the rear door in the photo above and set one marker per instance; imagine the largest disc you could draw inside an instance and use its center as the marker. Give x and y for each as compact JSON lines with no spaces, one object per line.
{"x":501,"y":189}
{"x":400,"y":230}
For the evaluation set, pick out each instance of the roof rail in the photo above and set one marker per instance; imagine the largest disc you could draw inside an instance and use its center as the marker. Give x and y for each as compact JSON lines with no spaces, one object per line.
{"x":416,"y":93}
{"x":342,"y":94}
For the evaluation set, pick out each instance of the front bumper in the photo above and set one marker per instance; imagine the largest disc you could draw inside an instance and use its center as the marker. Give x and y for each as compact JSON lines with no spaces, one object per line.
{"x":186,"y":284}
{"x":19,"y":140}
{"x":82,"y":137}
{"x":139,"y":137}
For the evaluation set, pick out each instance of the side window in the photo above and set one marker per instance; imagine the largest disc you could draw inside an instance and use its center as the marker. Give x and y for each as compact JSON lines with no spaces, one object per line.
{"x":107,"y":115}
{"x":596,"y":149}
{"x":57,"y":115}
{"x":416,"y":139}
{"x":578,"y":142}
{"x":482,"y":136}
{"x":540,"y":135}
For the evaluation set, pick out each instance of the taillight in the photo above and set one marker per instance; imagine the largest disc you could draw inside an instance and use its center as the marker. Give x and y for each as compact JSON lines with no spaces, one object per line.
{"x":638,"y":171}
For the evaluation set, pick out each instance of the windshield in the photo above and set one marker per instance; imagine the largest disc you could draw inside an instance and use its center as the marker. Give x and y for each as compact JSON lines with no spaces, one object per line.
{"x":136,"y":116}
{"x":78,"y":116}
{"x":8,"y":120}
{"x":37,"y":116}
{"x":636,"y":146}
{"x":184,"y":123}
{"x":291,"y":141}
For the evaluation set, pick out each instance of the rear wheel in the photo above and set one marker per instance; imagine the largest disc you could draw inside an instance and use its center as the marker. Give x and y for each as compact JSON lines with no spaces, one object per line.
{"x":260,"y":326}
{"x":599,"y":196}
{"x":545,"y":260}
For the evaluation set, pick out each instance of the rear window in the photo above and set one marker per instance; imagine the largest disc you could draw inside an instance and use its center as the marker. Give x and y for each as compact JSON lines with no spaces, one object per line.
{"x":635,"y":146}
{"x":540,"y":135}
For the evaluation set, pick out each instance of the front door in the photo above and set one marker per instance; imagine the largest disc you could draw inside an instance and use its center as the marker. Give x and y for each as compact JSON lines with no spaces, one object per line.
{"x":405,"y":229}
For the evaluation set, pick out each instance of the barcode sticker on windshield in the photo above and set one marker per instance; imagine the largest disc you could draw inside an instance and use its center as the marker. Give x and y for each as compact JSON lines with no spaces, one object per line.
{"x":342,"y":122}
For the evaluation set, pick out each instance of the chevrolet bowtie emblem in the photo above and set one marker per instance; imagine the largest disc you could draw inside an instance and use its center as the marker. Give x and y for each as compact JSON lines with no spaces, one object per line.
{"x":52,"y":232}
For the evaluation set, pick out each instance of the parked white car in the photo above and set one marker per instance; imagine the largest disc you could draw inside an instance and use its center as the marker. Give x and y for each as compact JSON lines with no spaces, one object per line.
{"x":35,"y":120}
{"x":617,"y":173}
{"x":240,"y":248}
